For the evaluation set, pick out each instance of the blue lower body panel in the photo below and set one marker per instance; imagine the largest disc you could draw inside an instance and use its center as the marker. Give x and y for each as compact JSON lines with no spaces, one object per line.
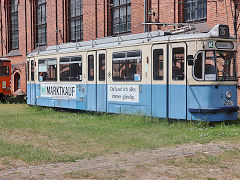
{"x":102,"y":98}
{"x":207,"y":103}
{"x":202,"y":102}
{"x":177,"y":101}
{"x":159,"y":101}
{"x":142,"y":107}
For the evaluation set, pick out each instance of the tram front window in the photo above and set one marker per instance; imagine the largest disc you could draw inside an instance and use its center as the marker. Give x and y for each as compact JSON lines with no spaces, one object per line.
{"x":4,"y":71}
{"x":219,"y":66}
{"x":225,"y":63}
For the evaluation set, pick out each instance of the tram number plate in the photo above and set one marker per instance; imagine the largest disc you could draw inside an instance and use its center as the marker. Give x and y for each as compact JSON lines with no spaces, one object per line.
{"x":228,"y":103}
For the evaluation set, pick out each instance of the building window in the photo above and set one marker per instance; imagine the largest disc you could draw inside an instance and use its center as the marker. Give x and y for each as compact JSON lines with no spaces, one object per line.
{"x":121,"y":11}
{"x":75,"y":20}
{"x":14,"y":40}
{"x":41,"y":23}
{"x":195,"y":10}
{"x":17,"y":82}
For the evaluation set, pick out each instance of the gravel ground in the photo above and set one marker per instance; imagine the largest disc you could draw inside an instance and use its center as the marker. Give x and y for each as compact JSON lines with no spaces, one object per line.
{"x":109,"y":163}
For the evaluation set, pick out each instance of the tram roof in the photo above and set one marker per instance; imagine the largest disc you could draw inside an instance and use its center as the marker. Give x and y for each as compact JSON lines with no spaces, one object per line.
{"x":4,"y":60}
{"x":121,"y":41}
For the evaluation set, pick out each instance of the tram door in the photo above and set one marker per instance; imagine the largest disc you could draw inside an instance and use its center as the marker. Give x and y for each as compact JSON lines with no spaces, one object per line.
{"x":32,"y":85}
{"x":101,"y":81}
{"x":91,"y":81}
{"x":177,"y":81}
{"x":159,"y":80}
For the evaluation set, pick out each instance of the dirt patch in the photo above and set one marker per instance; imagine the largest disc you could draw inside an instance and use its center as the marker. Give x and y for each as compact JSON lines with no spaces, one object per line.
{"x":161,"y":163}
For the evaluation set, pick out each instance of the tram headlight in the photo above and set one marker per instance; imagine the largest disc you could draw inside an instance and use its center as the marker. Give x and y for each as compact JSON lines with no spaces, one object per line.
{"x":228,"y":94}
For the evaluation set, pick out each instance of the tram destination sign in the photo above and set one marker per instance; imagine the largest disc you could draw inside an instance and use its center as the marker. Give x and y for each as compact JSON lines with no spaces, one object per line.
{"x":58,"y":91}
{"x":123,"y":93}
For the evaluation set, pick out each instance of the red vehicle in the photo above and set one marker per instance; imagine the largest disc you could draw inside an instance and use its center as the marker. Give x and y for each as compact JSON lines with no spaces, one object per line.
{"x":5,"y":78}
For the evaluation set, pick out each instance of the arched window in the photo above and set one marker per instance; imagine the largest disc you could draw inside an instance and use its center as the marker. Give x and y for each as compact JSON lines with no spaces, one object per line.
{"x":14,"y":40}
{"x":17,"y":82}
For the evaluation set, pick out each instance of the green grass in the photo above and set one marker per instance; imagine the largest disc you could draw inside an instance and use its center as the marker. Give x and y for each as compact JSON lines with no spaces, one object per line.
{"x":35,"y":134}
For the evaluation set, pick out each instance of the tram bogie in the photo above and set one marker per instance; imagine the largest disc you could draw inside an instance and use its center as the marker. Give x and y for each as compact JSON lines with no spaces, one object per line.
{"x":189,"y":76}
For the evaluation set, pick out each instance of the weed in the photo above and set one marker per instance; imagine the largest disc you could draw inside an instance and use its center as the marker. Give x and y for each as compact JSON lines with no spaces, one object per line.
{"x":78,"y":174}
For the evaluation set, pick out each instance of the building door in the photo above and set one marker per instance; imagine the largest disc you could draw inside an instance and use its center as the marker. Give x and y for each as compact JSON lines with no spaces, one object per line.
{"x":177,"y":81}
{"x":91,"y":81}
{"x":159,"y":80}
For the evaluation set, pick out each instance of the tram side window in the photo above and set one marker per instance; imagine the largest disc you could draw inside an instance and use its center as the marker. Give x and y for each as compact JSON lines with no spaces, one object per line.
{"x":32,"y":70}
{"x":158,"y":64}
{"x":198,"y":66}
{"x":127,"y":66}
{"x":71,"y":68}
{"x":178,"y":64}
{"x":47,"y":70}
{"x":90,"y":67}
{"x":101,"y":67}
{"x":28,"y":78}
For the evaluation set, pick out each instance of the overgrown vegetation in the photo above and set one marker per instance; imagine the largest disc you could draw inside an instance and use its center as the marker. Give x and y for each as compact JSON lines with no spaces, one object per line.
{"x":20,"y":99}
{"x":40,"y":135}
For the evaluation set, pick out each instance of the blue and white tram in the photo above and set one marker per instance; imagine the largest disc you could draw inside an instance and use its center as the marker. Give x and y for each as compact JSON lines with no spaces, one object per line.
{"x":185,"y":76}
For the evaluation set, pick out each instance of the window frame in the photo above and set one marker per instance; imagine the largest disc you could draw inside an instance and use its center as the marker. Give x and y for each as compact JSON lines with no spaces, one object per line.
{"x":118,"y":8}
{"x":91,"y":66}
{"x":192,"y":7}
{"x":154,"y":78}
{"x":13,"y":13}
{"x":184,"y":61}
{"x":32,"y":70}
{"x":28,"y":70}
{"x":40,"y":25}
{"x":204,"y":63}
{"x":203,"y":66}
{"x":127,"y":59}
{"x":74,"y":19}
{"x":56,"y":73}
{"x":8,"y":73}
{"x":69,"y":63}
{"x":102,"y":78}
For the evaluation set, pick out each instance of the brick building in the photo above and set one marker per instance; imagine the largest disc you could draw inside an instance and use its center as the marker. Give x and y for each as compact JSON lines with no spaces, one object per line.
{"x":32,"y":25}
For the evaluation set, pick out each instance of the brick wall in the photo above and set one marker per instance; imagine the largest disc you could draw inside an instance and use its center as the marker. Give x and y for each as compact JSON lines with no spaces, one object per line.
{"x":97,"y":23}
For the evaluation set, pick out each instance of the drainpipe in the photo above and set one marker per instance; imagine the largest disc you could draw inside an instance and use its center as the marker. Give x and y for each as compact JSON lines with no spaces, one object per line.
{"x":1,"y":27}
{"x":26,"y":34}
{"x":235,"y":18}
{"x":145,"y":15}
{"x":56,"y":14}
{"x":96,"y":16}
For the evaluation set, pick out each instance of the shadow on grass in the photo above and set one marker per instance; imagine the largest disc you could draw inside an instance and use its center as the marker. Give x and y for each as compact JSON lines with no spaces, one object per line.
{"x":21,"y":99}
{"x":144,"y":119}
